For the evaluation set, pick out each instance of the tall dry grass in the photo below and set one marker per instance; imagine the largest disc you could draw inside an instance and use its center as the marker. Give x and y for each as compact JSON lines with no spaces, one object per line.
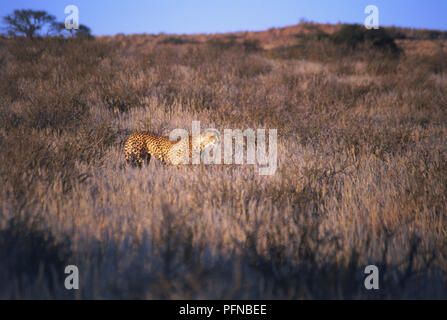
{"x":361,"y":179}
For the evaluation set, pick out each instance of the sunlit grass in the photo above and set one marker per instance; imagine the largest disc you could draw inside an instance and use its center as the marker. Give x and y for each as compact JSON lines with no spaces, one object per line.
{"x":361,"y":179}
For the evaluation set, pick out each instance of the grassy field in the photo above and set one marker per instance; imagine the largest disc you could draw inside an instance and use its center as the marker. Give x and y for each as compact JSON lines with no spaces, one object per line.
{"x":361,"y":178}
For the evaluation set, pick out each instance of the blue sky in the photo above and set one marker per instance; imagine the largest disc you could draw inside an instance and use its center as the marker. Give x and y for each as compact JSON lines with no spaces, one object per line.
{"x":108,"y":17}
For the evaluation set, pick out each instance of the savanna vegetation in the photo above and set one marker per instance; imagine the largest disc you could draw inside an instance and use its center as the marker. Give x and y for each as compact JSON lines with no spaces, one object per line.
{"x":362,"y":165}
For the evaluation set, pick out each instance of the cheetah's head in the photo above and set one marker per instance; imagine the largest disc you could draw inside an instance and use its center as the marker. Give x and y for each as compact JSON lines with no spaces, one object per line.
{"x":209,"y":138}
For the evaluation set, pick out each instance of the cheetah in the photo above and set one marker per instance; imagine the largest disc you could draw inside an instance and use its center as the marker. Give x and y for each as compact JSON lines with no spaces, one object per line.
{"x":141,"y":146}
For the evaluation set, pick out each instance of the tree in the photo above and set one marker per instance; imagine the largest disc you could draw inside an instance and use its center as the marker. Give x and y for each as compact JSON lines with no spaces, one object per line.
{"x":58,"y":28}
{"x":27,"y":22}
{"x":82,"y":32}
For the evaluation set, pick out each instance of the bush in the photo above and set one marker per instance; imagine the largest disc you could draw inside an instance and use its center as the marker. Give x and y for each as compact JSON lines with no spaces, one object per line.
{"x":350,"y":40}
{"x":355,"y":37}
{"x":177,"y":41}
{"x":247,"y":46}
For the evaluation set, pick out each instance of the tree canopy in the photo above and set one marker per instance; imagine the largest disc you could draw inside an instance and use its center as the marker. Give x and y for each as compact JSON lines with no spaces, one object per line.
{"x":83,"y":31}
{"x":32,"y":23}
{"x":27,"y":22}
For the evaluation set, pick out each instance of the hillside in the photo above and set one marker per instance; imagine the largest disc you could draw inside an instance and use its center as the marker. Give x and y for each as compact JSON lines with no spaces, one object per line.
{"x":408,"y":39}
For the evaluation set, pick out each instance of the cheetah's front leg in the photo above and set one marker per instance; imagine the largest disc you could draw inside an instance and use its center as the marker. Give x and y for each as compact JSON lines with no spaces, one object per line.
{"x":134,"y":159}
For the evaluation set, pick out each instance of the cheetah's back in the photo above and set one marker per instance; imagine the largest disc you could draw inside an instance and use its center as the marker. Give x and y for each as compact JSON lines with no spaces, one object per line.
{"x":141,"y":146}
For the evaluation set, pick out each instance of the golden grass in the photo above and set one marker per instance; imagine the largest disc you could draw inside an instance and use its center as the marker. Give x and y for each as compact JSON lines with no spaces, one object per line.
{"x":361,"y":179}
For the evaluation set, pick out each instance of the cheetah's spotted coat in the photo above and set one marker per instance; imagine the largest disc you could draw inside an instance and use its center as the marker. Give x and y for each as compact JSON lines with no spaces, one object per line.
{"x":141,"y":146}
